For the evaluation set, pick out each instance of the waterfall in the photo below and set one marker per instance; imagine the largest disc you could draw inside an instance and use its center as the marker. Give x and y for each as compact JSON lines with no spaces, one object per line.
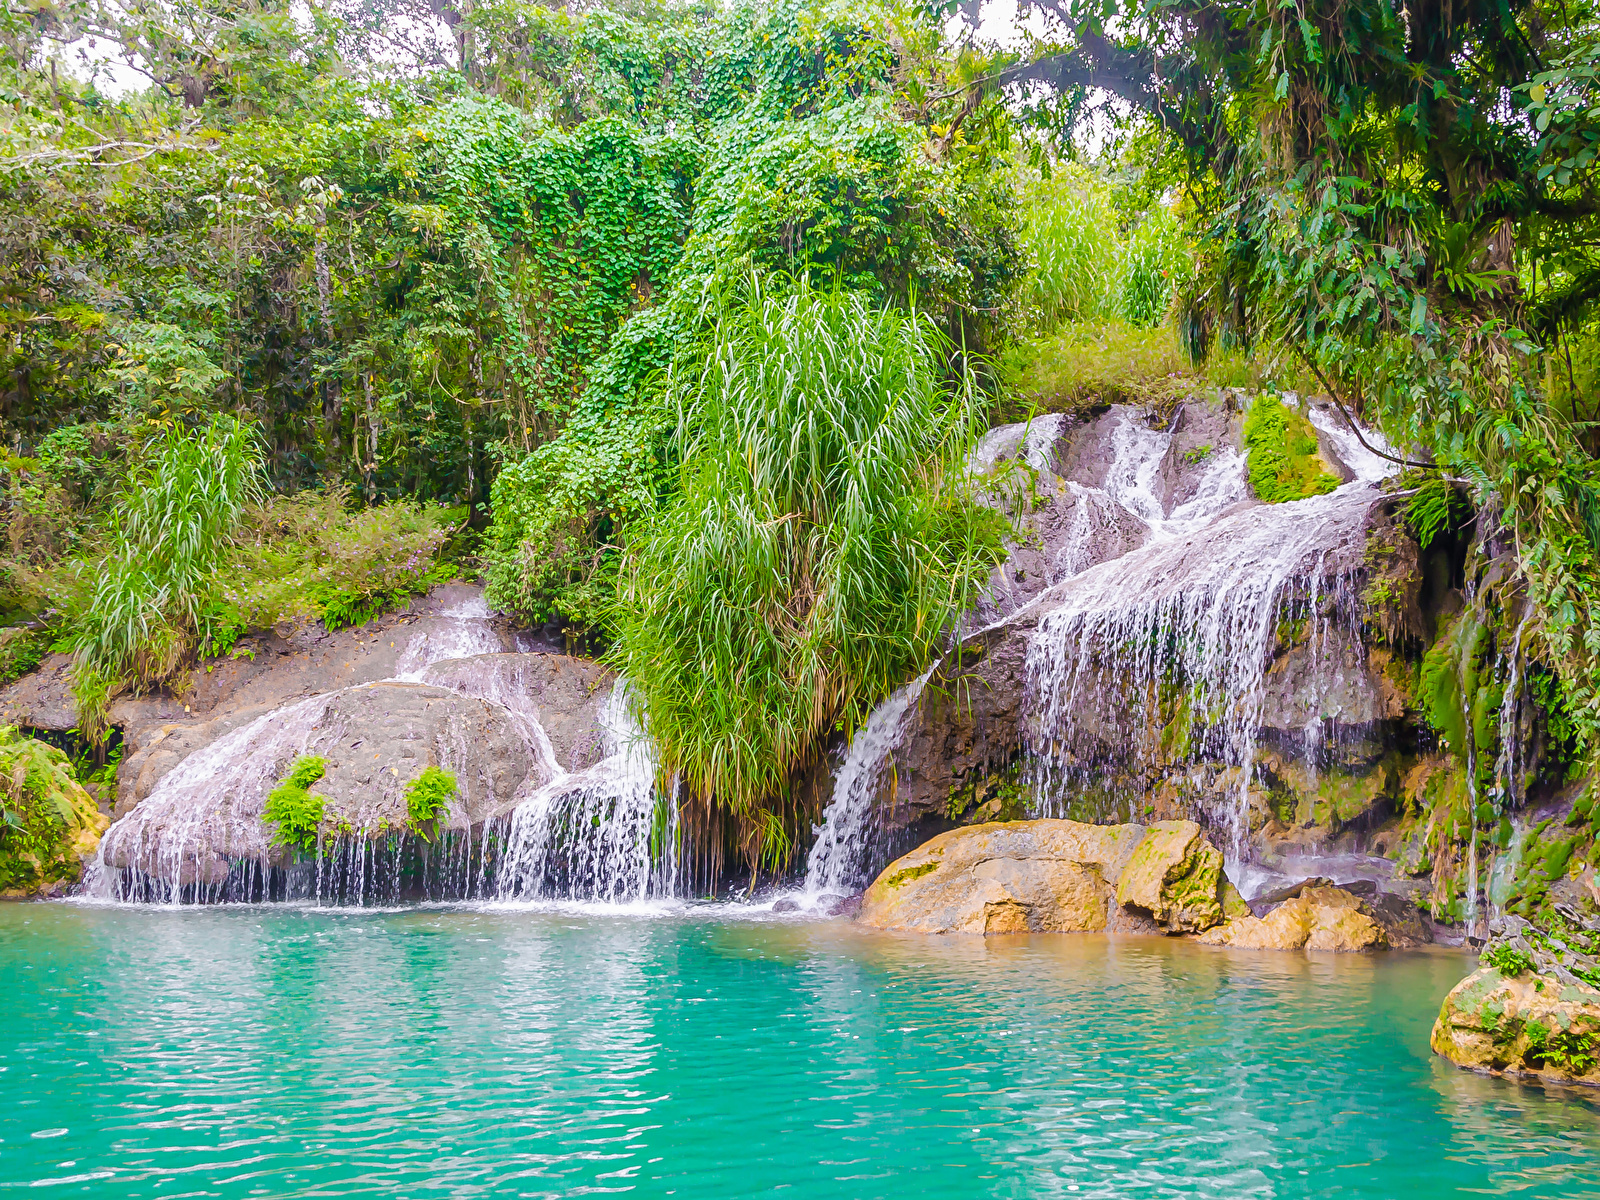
{"x":603,"y":834}
{"x":466,"y":632}
{"x":839,"y":856}
{"x":1160,"y":655}
{"x":1187,"y":619}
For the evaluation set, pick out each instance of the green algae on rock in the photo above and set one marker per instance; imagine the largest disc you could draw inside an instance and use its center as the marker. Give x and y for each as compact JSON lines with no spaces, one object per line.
{"x":1050,"y":876}
{"x":1523,"y":1024}
{"x":49,"y":824}
{"x":1176,"y":876}
{"x":1284,"y":460}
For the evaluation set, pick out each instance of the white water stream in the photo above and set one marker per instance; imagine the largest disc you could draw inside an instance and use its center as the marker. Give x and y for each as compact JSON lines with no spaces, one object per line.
{"x":597,"y":834}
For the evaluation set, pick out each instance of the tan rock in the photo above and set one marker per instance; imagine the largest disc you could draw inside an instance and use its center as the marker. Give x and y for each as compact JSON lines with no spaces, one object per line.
{"x":1317,"y":919}
{"x":1004,"y":877}
{"x":1176,"y":876}
{"x":1523,"y":1025}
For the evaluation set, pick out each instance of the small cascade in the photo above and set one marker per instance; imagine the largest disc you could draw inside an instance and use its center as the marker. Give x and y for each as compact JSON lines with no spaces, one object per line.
{"x":465,"y":631}
{"x":839,"y":857}
{"x":1158,"y":659}
{"x":502,"y":680}
{"x":604,"y":834}
{"x":199,"y":834}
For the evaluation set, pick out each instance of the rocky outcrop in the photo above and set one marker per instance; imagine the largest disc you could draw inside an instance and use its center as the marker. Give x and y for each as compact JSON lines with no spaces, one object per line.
{"x":1332,"y":724}
{"x":1523,"y":1024}
{"x":1175,"y":875}
{"x":1050,"y":876}
{"x":1319,"y":918}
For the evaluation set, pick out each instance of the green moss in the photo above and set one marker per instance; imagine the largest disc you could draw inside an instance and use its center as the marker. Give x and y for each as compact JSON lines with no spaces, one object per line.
{"x":296,"y":811}
{"x":1282,"y":454}
{"x":907,"y":874}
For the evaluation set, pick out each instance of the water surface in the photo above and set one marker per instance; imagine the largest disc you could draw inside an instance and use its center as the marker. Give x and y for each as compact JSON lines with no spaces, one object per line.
{"x":282,"y":1052}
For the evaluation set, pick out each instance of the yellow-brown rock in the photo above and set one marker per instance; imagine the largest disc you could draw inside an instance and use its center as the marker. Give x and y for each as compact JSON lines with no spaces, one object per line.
{"x":1322,"y":918}
{"x":1176,"y":876}
{"x":1005,"y":877}
{"x":1521,"y":1025}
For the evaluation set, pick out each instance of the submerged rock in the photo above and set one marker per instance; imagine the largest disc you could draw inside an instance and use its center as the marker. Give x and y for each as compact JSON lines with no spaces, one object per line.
{"x":1050,"y":876}
{"x":1526,"y":1024}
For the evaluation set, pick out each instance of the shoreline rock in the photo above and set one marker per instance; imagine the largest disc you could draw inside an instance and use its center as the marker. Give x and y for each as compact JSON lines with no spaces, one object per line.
{"x":1523,"y":1026}
{"x":1316,"y":918}
{"x":1051,"y":876}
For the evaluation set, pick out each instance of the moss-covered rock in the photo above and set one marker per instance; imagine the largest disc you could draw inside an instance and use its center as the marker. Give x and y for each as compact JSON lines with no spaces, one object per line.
{"x":1521,"y":1024}
{"x":48,"y":823}
{"x":1176,"y":876}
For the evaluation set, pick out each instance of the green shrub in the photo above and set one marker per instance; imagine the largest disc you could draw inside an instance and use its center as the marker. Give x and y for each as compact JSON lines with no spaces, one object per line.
{"x":822,"y":541}
{"x":1088,"y":363}
{"x":1282,"y":457}
{"x":1153,"y":262}
{"x":427,"y":797}
{"x":1506,"y":959}
{"x":292,"y":806}
{"x":21,"y":650}
{"x":312,"y":556}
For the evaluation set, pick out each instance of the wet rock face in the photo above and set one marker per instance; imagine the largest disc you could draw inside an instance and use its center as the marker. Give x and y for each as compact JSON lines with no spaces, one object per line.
{"x":1050,"y":876}
{"x":1526,"y":1024}
{"x":377,"y":739}
{"x":1331,"y":703}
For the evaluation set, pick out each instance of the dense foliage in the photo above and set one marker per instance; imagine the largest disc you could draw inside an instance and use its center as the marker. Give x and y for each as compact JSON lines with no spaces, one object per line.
{"x":820,"y":543}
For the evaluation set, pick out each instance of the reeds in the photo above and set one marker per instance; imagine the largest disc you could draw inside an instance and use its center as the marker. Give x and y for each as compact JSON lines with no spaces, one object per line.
{"x":820,"y":545}
{"x":151,"y":604}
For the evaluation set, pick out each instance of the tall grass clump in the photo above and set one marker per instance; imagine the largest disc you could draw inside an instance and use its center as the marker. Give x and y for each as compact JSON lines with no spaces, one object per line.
{"x":1070,"y":231}
{"x":151,"y":604}
{"x":1153,"y":262}
{"x":822,"y":541}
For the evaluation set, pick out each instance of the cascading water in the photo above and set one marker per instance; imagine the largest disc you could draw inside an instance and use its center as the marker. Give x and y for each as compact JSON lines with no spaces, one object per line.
{"x":838,"y":861}
{"x":606,"y":834}
{"x":1160,"y":656}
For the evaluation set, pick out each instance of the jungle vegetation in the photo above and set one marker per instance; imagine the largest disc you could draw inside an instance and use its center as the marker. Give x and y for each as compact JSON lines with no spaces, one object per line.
{"x":674,"y":320}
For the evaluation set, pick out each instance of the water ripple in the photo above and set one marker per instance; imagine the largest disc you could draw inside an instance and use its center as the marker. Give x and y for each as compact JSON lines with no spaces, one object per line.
{"x":555,"y":1053}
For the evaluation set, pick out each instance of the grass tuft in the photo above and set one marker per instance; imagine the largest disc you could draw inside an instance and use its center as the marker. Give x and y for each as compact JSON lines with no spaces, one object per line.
{"x":821,"y":543}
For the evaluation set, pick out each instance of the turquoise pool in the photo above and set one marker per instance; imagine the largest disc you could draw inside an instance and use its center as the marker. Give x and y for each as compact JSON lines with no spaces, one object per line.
{"x":704,"y":1053}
